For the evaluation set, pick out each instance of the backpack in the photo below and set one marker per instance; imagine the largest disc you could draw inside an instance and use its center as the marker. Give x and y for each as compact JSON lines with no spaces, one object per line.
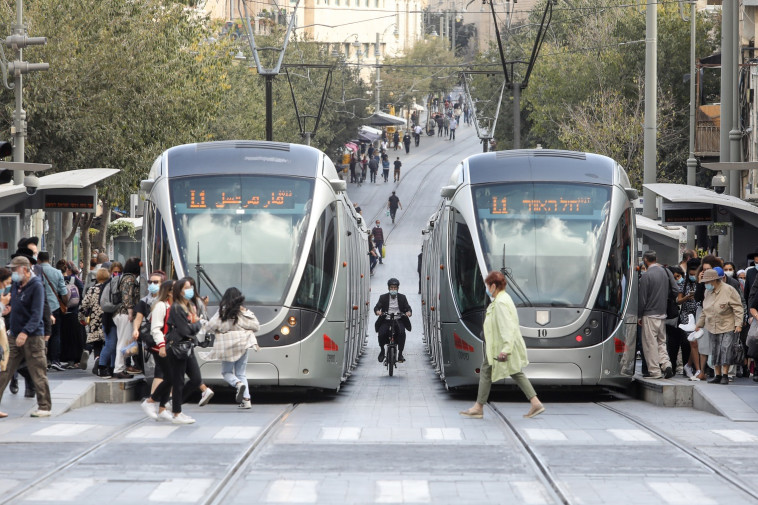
{"x":110,"y":296}
{"x":146,"y":336}
{"x":73,"y":294}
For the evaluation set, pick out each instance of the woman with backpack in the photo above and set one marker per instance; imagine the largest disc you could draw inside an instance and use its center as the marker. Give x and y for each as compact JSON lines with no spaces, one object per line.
{"x":233,"y":325}
{"x":128,"y":286}
{"x":72,"y":333}
{"x":184,"y":324}
{"x":158,"y":330}
{"x":108,"y":354}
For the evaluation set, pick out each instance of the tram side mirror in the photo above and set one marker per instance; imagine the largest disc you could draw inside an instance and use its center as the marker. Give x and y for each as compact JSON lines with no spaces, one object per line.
{"x":338,"y":186}
{"x":146,"y":185}
{"x":448,"y":191}
{"x":631,"y":193}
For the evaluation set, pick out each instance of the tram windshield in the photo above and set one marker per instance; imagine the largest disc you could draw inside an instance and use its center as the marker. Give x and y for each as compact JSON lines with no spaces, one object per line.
{"x":247,"y":230}
{"x":550,"y":236}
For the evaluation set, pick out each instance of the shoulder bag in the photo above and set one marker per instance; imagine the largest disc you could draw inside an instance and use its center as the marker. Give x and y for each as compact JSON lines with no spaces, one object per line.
{"x":63,"y":304}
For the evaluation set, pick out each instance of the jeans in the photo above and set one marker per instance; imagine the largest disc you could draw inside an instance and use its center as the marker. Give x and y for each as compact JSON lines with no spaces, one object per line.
{"x":234,"y":372}
{"x":379,"y":245}
{"x":108,"y":354}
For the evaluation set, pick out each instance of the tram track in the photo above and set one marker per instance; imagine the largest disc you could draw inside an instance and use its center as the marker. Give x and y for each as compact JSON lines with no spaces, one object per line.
{"x":407,"y":173}
{"x":219,"y":492}
{"x":708,"y":463}
{"x":52,"y":473}
{"x":215,"y":495}
{"x":546,"y":476}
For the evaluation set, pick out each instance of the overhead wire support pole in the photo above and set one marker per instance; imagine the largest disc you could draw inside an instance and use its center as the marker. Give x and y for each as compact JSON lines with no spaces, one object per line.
{"x":499,"y":42}
{"x":517,"y":87}
{"x":269,"y":73}
{"x":306,"y":134}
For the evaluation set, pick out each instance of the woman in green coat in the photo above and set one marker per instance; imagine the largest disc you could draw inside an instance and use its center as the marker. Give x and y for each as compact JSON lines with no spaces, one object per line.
{"x":505,"y":351}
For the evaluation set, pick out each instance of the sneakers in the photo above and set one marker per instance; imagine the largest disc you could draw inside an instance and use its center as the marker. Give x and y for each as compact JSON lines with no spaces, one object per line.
{"x":56,"y":366}
{"x":41,"y":413}
{"x":104,"y":372}
{"x":381,"y":355}
{"x":83,"y":360}
{"x":245,"y":404}
{"x":182,"y":418}
{"x":165,"y":416}
{"x":241,"y":388}
{"x":688,"y":371}
{"x":696,"y":376}
{"x":205,"y":398}
{"x":149,"y":409}
{"x":668,"y":373}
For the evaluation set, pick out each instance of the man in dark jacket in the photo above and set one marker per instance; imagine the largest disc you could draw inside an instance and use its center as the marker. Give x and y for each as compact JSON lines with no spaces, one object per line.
{"x":656,"y":285}
{"x":392,"y":303}
{"x":26,"y":337}
{"x":407,"y":142}
{"x":378,"y":234}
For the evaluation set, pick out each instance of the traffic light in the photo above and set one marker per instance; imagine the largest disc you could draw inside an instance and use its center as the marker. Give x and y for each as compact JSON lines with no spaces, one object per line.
{"x":6,"y":149}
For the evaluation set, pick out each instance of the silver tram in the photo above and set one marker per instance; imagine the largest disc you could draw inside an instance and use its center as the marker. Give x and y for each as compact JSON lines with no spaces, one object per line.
{"x":273,"y":220}
{"x":561,"y":225}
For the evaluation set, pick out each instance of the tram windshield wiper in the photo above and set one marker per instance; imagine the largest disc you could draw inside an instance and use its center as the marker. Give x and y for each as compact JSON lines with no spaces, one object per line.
{"x":514,"y":285}
{"x":202,"y":274}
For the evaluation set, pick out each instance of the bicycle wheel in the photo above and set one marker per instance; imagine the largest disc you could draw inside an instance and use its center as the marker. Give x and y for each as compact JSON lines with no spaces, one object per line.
{"x":391,"y":358}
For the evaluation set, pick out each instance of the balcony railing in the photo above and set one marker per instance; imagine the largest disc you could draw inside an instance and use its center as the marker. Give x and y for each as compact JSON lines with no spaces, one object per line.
{"x":707,"y":139}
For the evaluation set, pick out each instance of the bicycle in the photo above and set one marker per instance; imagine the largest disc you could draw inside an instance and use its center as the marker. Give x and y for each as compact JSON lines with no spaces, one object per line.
{"x":390,"y":361}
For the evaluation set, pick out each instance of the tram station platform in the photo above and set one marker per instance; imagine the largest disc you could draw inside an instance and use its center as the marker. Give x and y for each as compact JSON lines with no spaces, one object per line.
{"x":737,"y":401}
{"x":75,"y":389}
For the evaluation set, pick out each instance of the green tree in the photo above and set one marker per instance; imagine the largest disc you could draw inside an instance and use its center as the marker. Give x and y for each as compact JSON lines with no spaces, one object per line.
{"x":126,"y":81}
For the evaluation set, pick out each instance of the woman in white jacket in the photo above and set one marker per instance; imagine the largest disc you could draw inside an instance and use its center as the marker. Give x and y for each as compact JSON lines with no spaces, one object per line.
{"x":162,"y":392}
{"x":234,"y":327}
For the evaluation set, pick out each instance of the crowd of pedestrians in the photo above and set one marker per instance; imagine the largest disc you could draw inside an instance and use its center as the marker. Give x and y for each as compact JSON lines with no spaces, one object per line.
{"x":53,"y":320}
{"x":699,"y":318}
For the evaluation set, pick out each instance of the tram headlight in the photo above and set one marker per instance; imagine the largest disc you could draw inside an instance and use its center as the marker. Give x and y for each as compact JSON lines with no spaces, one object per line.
{"x":284,"y":330}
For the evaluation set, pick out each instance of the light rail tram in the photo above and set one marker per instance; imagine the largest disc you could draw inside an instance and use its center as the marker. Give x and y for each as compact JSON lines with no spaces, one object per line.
{"x":274,"y":220}
{"x":561,"y":226}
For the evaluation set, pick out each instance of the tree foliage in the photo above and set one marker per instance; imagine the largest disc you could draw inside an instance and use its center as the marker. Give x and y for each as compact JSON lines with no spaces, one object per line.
{"x":586,"y":84}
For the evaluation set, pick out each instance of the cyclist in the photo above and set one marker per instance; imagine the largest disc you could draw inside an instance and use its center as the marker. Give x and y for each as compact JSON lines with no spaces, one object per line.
{"x":392,"y":303}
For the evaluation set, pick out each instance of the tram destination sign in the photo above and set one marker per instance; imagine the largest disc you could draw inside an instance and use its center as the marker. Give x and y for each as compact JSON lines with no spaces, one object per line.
{"x":684,"y":214}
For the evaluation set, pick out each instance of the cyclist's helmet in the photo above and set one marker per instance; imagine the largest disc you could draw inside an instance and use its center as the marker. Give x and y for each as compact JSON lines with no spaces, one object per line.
{"x":393,"y":282}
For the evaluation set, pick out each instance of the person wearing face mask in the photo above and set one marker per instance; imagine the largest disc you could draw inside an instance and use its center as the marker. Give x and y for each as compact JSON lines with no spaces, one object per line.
{"x":676,"y":338}
{"x":184,"y":324}
{"x":741,"y":278}
{"x":26,"y":337}
{"x":504,"y":349}
{"x":722,"y":316}
{"x":688,"y":307}
{"x":741,"y":370}
{"x":396,"y":303}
